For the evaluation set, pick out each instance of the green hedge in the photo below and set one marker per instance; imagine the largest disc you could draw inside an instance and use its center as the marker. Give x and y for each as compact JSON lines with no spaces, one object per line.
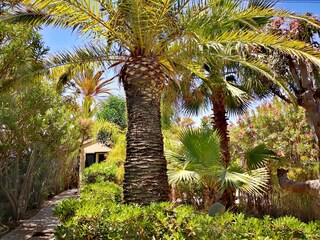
{"x":110,"y":220}
{"x":101,"y":192}
{"x":99,"y":214}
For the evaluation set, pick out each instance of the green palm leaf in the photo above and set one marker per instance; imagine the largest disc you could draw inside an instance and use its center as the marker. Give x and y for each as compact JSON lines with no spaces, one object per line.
{"x":201,"y":147}
{"x":258,"y":156}
{"x":251,"y":182}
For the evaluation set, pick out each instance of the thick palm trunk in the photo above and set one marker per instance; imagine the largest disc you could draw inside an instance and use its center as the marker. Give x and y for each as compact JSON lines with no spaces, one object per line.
{"x":220,"y":123}
{"x":145,"y":178}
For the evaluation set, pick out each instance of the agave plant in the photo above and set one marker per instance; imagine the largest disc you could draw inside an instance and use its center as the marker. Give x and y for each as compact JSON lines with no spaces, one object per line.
{"x":199,"y":160}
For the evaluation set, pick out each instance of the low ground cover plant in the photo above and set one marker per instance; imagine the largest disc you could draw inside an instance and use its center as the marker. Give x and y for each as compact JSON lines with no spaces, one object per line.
{"x":99,"y":214}
{"x":93,"y":220}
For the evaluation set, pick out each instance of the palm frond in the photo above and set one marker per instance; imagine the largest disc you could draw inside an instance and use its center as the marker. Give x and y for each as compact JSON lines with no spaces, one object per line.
{"x":258,"y":156}
{"x":182,"y":175}
{"x":251,"y":182}
{"x":201,"y":147}
{"x":92,"y":53}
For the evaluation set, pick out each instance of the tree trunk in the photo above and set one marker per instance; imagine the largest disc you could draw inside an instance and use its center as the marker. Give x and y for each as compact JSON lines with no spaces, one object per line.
{"x":310,"y":187}
{"x":220,"y":123}
{"x":312,"y":106}
{"x":145,"y":178}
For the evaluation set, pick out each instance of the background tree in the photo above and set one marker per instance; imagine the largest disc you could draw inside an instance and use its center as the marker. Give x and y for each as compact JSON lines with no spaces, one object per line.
{"x":38,"y":142}
{"x":302,"y":76}
{"x":284,"y":130}
{"x":22,"y":52}
{"x":114,"y":110}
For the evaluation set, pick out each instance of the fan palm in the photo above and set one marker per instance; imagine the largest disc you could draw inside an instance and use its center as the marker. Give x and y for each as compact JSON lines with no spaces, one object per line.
{"x":143,"y":37}
{"x":199,"y":159}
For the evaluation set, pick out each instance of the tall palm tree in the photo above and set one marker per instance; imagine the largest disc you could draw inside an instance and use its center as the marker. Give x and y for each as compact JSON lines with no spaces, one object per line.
{"x":143,"y":37}
{"x":135,"y":34}
{"x":229,"y":81}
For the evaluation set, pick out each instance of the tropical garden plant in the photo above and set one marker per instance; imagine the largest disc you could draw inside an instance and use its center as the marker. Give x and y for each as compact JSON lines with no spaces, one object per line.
{"x":234,"y":70}
{"x":199,"y":161}
{"x":145,"y":39}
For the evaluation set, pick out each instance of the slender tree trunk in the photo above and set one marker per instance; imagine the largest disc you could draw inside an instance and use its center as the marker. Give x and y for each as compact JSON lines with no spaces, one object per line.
{"x":220,"y":123}
{"x":145,"y":178}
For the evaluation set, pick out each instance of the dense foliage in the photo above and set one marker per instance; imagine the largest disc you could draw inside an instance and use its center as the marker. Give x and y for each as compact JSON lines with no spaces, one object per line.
{"x":101,"y":172}
{"x":114,"y":110}
{"x":285,"y":130}
{"x":38,"y":142}
{"x":282,"y":128}
{"x":22,"y":52}
{"x":98,"y":214}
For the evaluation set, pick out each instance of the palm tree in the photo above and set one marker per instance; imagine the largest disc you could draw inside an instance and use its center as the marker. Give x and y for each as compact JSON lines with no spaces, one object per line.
{"x":228,"y":86}
{"x":135,"y":34}
{"x":199,"y":160}
{"x":143,"y":37}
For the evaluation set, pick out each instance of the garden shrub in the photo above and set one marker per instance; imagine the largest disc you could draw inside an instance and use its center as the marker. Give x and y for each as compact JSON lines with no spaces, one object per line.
{"x":100,"y":172}
{"x":119,"y":221}
{"x":285,"y":130}
{"x":165,"y":221}
{"x":66,"y":209}
{"x":102,"y":192}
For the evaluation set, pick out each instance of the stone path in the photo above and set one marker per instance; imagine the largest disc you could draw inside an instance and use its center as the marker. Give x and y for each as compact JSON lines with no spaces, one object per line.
{"x":41,"y":225}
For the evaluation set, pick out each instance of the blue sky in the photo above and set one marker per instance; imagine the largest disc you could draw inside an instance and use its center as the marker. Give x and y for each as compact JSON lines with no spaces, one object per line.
{"x":60,"y":39}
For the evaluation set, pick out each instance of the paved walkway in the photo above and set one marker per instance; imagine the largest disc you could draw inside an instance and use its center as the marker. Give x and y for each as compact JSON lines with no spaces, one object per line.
{"x":41,"y":225}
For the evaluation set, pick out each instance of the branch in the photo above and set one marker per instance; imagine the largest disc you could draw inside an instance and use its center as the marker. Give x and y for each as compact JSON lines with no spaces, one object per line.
{"x":309,"y":187}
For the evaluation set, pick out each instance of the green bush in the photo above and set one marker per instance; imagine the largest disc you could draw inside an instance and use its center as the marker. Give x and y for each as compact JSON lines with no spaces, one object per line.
{"x":101,"y":192}
{"x":119,"y":221}
{"x":100,"y":172}
{"x":165,"y":221}
{"x":66,"y":209}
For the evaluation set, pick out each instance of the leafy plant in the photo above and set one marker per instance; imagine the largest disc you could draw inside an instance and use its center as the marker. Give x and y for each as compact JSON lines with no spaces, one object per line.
{"x":114,"y":110}
{"x":199,"y":161}
{"x":284,"y":130}
{"x":66,"y":209}
{"x":166,"y":221}
{"x":100,"y":172}
{"x":101,"y":192}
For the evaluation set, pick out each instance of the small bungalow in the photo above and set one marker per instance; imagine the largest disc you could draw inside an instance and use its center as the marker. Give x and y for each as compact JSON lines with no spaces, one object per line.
{"x":92,"y":152}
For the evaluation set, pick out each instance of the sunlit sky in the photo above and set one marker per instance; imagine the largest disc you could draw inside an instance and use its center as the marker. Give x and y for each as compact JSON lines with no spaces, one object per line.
{"x":61,"y":39}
